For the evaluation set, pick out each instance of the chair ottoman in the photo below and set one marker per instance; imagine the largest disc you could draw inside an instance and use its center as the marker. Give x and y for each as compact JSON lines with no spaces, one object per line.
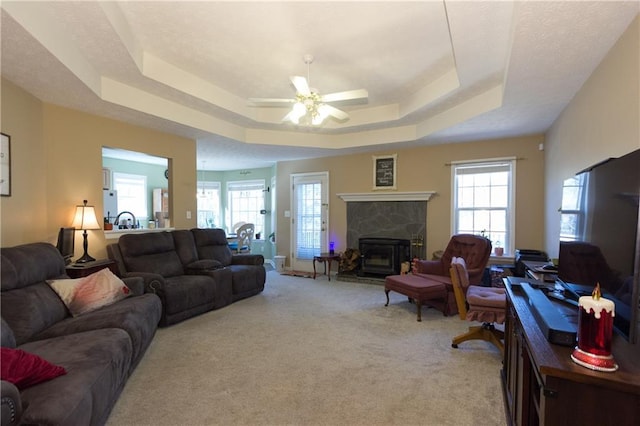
{"x":417,"y":289}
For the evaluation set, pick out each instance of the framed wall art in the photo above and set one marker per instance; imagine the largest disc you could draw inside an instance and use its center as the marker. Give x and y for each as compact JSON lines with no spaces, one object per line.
{"x":5,"y":166}
{"x":384,"y":171}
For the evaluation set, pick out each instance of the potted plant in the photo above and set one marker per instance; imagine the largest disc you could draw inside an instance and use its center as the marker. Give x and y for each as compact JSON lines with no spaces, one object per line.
{"x":498,"y":250}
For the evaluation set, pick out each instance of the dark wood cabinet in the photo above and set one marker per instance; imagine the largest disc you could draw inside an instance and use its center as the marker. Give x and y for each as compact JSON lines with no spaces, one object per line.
{"x":83,"y":270}
{"x":543,"y":386}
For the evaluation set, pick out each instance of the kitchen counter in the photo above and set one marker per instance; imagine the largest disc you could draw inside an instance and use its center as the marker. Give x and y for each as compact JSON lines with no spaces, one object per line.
{"x":116,"y":233}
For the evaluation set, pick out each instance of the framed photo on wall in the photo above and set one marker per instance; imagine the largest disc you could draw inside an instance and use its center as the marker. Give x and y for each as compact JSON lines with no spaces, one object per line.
{"x":5,"y":166}
{"x":384,"y":171}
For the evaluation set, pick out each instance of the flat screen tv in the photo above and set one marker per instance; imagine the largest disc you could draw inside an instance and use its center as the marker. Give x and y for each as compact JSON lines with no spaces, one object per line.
{"x":599,"y":237}
{"x":65,"y":245}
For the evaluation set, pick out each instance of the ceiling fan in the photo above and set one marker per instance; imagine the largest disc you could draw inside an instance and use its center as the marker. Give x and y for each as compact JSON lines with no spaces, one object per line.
{"x":310,"y":107}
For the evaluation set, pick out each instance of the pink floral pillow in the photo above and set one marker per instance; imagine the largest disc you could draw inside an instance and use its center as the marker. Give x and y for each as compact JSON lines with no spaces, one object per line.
{"x":89,"y":293}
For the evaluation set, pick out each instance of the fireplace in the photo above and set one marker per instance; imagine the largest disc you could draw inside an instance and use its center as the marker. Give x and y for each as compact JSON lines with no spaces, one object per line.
{"x":382,"y":256}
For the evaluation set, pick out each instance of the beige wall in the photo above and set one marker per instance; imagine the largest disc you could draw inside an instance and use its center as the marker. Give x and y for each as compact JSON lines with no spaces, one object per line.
{"x":24,"y":215}
{"x":602,"y":121}
{"x":423,"y":169}
{"x":58,"y":163}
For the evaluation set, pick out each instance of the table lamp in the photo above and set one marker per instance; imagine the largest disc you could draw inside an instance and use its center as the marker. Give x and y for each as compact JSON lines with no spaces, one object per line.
{"x":85,"y":218}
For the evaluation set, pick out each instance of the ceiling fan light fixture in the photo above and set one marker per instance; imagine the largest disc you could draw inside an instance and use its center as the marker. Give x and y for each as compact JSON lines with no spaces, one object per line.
{"x":298,"y":111}
{"x":320,"y":114}
{"x":309,"y":107}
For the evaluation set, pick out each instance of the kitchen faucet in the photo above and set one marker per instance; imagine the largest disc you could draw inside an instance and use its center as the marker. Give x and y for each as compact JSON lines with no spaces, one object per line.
{"x":133,"y":224}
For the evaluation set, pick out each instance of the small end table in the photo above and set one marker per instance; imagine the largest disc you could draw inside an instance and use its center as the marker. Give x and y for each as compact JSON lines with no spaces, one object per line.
{"x":325,"y":258}
{"x":80,"y":270}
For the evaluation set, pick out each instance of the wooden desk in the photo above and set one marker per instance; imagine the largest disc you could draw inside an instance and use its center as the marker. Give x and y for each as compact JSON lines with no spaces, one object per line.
{"x":325,"y":258}
{"x":79,"y":270}
{"x":542,"y":386}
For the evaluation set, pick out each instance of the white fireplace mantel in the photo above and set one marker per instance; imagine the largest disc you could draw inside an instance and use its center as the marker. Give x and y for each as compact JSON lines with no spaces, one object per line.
{"x":387,"y":196}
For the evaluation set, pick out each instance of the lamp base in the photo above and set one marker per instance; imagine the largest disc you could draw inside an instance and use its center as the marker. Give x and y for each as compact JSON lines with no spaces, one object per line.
{"x":594,"y":362}
{"x":85,"y":258}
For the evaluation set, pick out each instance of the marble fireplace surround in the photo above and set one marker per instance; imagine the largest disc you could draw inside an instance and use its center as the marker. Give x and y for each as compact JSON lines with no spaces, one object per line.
{"x":386,"y":215}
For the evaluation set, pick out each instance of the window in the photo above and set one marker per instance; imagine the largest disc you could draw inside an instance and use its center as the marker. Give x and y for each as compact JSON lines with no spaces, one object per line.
{"x":245,"y":200}
{"x":483,"y":200}
{"x":573,"y":207}
{"x":208,"y":196}
{"x":132,"y":194}
{"x":308,"y":218}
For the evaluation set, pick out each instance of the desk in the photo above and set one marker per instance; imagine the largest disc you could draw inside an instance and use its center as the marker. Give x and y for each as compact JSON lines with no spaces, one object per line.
{"x":325,"y":258}
{"x":79,"y":270}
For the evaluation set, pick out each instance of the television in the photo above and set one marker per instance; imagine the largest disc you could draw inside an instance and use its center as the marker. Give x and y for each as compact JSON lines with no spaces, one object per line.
{"x":600,"y":237}
{"x":66,"y":242}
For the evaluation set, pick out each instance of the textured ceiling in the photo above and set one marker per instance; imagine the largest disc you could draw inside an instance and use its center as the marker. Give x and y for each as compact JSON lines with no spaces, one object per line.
{"x":436,"y":72}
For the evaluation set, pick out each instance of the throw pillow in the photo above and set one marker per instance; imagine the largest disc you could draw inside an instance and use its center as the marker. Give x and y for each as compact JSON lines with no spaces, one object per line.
{"x":82,"y":295}
{"x":24,"y":369}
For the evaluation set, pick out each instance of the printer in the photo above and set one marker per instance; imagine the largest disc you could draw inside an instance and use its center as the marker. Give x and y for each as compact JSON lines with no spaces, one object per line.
{"x":527,"y":254}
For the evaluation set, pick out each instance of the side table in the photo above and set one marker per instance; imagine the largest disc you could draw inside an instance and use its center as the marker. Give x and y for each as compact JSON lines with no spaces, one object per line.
{"x":325,"y":258}
{"x":79,"y":270}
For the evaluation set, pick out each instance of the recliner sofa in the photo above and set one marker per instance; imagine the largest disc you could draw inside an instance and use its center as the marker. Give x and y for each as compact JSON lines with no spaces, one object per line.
{"x":98,"y":349}
{"x":192,"y":271}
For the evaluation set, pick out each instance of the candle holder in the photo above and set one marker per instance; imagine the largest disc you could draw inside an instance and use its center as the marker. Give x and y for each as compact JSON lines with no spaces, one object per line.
{"x":595,"y":332}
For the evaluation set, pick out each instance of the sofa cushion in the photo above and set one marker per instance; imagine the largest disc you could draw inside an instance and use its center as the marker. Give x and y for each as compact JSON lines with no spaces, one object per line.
{"x":154,"y":252}
{"x":25,"y":370}
{"x":185,"y":246}
{"x":30,"y":310}
{"x":97,"y":364}
{"x":6,"y":334}
{"x":137,"y":315}
{"x":28,"y":264}
{"x":212,"y":244}
{"x":89,"y":293}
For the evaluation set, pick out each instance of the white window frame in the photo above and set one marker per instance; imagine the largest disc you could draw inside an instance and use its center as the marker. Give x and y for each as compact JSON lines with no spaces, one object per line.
{"x":140,"y":200}
{"x":582,"y":183}
{"x":253,"y":217}
{"x":203,"y":187}
{"x":486,"y":166}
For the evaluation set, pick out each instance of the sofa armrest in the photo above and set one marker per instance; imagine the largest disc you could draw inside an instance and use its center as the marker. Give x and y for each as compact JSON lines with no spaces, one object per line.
{"x":247,"y":259}
{"x":135,"y":284}
{"x":11,"y":404}
{"x":152,"y":282}
{"x":198,"y":266}
{"x":433,"y":267}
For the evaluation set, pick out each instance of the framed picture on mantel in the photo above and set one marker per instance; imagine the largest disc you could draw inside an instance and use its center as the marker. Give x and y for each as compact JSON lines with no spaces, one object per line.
{"x":384,"y":171}
{"x":5,"y":166}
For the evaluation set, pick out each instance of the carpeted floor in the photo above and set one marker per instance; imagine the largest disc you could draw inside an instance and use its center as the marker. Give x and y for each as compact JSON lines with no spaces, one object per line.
{"x":314,"y":352}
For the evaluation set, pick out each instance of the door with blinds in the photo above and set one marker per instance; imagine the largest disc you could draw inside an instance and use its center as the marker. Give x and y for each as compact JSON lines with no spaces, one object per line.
{"x":309,"y":218}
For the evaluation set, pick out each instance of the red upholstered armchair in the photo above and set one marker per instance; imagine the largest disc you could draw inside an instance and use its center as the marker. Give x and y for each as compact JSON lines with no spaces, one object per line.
{"x":474,"y":249}
{"x":430,"y":284}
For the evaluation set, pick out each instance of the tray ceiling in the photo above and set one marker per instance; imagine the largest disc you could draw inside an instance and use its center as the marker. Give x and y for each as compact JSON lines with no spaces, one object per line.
{"x":436,"y":72}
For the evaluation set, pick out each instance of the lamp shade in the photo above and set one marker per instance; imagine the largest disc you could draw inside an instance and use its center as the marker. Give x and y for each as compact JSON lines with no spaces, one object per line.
{"x":85,"y":217}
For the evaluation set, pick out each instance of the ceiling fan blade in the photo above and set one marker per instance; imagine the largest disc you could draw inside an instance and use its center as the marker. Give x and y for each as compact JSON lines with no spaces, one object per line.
{"x":345,"y":96}
{"x":270,"y":102}
{"x":336,"y":113}
{"x":301,"y":85}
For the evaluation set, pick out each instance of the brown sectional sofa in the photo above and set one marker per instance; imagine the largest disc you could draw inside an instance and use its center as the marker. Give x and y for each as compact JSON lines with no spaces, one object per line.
{"x":192,"y":271}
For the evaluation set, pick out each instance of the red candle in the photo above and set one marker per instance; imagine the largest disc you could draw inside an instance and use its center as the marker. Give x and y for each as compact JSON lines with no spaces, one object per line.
{"x":595,"y":331}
